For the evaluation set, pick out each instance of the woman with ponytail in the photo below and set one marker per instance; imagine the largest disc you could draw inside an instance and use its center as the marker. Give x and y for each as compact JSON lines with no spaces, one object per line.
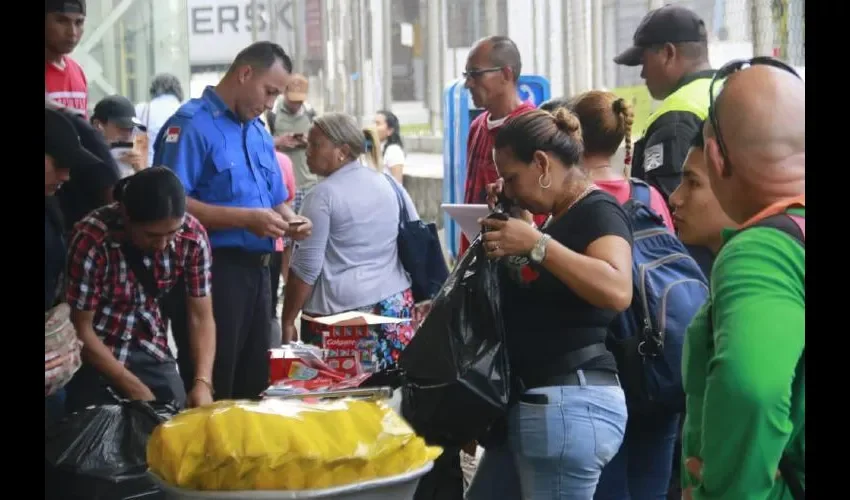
{"x":643,"y":465}
{"x":392,"y":147}
{"x":606,"y":124}
{"x":123,"y":258}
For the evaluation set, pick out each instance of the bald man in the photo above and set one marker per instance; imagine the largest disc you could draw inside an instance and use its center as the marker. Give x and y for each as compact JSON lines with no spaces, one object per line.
{"x":744,"y":361}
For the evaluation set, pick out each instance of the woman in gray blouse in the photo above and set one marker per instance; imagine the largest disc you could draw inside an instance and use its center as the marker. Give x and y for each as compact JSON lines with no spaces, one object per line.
{"x":350,"y":262}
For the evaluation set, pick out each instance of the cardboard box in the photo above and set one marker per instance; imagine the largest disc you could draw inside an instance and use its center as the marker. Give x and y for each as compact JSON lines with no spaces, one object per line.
{"x":352,"y":333}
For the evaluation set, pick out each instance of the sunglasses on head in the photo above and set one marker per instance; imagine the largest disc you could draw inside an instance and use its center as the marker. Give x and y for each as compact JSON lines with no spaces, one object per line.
{"x":722,"y":74}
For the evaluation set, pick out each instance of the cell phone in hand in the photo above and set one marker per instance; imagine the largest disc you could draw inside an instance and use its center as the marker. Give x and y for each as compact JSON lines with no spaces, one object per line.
{"x":296,"y":224}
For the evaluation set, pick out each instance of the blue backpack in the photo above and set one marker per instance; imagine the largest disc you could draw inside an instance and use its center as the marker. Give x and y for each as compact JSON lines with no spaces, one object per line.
{"x":669,"y":289}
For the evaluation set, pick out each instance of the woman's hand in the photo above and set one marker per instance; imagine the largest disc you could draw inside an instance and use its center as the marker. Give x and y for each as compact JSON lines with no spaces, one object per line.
{"x":508,"y":237}
{"x":493,"y":192}
{"x":289,"y":332}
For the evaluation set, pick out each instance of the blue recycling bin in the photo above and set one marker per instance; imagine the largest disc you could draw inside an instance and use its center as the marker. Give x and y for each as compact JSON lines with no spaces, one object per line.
{"x":458,"y":114}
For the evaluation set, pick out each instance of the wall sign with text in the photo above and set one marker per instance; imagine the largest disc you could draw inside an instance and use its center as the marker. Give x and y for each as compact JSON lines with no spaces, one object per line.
{"x":219,"y":29}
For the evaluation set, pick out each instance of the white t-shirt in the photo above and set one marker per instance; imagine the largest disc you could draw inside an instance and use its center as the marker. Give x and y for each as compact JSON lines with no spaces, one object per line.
{"x":393,"y":156}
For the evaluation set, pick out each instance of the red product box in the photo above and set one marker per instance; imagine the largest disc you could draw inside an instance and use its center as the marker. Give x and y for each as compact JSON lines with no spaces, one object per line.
{"x":347,"y":334}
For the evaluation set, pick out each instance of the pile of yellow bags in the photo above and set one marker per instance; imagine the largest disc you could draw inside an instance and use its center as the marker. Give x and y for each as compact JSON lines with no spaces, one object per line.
{"x":284,"y":445}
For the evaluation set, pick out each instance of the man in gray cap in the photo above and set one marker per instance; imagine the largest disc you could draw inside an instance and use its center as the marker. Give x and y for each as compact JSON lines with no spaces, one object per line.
{"x":671,"y":45}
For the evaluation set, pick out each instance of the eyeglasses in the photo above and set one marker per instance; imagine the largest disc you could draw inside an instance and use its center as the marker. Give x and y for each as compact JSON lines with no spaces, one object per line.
{"x":475,"y":73}
{"x":724,"y":72}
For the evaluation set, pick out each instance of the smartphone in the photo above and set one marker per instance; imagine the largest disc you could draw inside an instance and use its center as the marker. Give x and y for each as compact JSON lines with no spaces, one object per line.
{"x":296,"y":224}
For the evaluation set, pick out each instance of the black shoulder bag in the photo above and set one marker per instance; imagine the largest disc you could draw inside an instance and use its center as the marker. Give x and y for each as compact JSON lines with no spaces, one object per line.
{"x":419,"y":251}
{"x":133,"y":256}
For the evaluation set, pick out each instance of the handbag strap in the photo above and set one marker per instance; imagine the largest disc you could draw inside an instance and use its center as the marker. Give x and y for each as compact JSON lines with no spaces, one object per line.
{"x":133,"y":256}
{"x":402,"y":207}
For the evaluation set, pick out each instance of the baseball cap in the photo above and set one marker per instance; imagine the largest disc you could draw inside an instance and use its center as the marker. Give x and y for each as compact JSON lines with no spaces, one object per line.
{"x":117,"y":109}
{"x":296,"y":91}
{"x":62,"y":142}
{"x":668,"y":24}
{"x":65,"y":6}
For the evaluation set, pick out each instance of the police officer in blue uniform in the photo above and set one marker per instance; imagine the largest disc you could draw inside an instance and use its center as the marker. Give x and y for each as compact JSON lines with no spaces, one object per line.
{"x":224,"y":156}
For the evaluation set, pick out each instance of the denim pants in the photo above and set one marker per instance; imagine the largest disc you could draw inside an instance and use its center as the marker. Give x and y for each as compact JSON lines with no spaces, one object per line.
{"x":642,"y":468}
{"x":557,"y":450}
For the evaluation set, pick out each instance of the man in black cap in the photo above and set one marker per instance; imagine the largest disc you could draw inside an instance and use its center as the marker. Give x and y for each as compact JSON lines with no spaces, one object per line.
{"x":671,"y":45}
{"x":90,"y":186}
{"x":115,"y":117}
{"x":62,"y":149}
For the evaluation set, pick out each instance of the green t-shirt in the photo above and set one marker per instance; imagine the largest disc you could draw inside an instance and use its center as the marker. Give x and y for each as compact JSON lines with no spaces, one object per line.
{"x":744,"y":379}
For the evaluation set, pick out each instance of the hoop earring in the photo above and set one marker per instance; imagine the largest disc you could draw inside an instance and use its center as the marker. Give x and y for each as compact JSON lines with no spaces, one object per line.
{"x":540,"y":182}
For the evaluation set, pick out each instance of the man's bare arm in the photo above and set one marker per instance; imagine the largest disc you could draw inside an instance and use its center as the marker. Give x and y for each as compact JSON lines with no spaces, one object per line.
{"x":201,"y":335}
{"x":214,"y":217}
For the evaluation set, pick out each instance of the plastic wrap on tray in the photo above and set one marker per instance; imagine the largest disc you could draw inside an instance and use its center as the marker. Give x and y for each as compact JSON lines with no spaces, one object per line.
{"x":284,"y":445}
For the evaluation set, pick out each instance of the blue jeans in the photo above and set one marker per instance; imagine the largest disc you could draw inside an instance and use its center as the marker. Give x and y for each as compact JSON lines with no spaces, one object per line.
{"x":555,"y":450}
{"x":642,"y":468}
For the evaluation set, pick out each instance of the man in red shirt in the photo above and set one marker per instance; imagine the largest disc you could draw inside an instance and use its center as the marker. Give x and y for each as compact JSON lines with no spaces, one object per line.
{"x":492,"y":70}
{"x":64,"y":80}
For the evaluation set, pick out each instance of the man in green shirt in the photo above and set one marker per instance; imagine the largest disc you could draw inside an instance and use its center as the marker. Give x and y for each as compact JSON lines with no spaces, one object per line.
{"x":743,"y":359}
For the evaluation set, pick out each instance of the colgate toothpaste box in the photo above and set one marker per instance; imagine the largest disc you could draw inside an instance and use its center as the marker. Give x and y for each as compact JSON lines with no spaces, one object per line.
{"x":352,"y":334}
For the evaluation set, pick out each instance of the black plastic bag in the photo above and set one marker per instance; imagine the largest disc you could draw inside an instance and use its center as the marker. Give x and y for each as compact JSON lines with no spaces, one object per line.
{"x":457,"y":378}
{"x":101,"y":452}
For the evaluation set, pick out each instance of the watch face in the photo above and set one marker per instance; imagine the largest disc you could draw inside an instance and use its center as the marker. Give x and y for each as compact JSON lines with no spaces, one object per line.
{"x":536,"y":254}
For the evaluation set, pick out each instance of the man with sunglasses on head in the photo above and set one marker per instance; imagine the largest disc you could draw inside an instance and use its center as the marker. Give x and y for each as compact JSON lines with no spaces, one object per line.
{"x":492,"y":71}
{"x":744,"y":353}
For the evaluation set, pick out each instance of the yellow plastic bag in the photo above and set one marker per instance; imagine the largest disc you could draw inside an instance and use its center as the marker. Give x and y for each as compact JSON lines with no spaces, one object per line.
{"x":284,"y":445}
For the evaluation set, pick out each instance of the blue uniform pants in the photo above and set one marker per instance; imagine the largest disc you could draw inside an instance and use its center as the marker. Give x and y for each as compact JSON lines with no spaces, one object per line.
{"x":242,"y":309}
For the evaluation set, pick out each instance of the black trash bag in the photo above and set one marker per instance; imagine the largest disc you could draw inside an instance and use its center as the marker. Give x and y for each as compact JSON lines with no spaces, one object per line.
{"x":457,"y":378}
{"x":101,"y":452}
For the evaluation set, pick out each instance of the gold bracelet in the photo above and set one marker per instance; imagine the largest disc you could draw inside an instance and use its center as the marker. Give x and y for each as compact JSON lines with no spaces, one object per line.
{"x":207,"y":382}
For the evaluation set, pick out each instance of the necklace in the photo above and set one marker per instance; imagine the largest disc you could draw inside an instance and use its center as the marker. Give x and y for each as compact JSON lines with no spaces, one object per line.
{"x":589,"y":189}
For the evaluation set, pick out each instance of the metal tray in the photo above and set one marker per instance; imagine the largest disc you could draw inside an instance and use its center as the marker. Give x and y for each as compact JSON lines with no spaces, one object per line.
{"x":401,"y":487}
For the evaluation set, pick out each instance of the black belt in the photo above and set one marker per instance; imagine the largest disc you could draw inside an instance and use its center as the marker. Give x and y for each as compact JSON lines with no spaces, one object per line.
{"x":242,"y":257}
{"x":591,"y":377}
{"x":563,"y":370}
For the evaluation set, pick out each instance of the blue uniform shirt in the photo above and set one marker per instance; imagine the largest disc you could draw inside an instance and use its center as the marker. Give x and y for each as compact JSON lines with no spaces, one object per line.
{"x":222,"y":161}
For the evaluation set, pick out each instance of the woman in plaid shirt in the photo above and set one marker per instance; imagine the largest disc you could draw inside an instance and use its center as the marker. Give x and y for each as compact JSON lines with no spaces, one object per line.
{"x":122,"y":258}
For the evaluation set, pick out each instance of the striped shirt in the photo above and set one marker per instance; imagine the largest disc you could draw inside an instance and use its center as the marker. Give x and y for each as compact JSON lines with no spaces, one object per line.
{"x":480,"y":168}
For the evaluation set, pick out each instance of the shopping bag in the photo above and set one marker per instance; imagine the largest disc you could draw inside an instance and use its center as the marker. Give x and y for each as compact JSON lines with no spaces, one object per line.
{"x":457,"y":378}
{"x":100,"y":452}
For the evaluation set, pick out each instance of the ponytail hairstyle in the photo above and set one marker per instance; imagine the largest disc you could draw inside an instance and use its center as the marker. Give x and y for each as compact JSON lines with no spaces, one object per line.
{"x":558,"y":133}
{"x":606,"y":121}
{"x":371,"y":143}
{"x":392,"y":123}
{"x":151,"y":195}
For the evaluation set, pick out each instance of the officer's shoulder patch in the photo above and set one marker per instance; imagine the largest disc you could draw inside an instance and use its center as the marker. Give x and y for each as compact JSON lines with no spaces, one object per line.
{"x":653,"y":157}
{"x":172,"y":133}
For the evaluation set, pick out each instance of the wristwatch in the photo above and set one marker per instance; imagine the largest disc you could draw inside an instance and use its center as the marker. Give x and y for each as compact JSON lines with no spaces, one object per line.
{"x":538,"y":253}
